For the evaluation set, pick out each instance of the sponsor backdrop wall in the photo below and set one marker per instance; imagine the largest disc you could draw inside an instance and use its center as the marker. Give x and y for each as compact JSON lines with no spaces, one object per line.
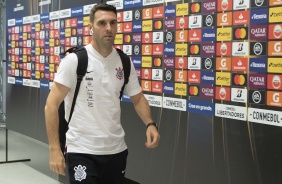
{"x":211,"y":71}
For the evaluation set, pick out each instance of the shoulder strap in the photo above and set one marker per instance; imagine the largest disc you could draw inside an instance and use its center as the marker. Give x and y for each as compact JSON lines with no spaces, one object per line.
{"x":126,"y":68}
{"x":80,"y":72}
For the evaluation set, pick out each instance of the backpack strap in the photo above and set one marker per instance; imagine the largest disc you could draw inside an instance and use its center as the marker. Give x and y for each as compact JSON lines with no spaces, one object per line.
{"x":80,"y":72}
{"x":126,"y":63}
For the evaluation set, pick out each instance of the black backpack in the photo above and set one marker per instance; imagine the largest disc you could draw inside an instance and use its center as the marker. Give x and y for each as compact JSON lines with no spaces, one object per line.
{"x":81,"y":71}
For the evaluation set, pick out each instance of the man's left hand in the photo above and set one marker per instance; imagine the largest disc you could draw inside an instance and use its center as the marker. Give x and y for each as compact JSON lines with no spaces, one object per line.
{"x":153,"y":137}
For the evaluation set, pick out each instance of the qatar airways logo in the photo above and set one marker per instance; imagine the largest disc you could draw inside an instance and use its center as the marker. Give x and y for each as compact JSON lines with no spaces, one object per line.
{"x":169,"y":62}
{"x":209,"y":6}
{"x":258,"y":32}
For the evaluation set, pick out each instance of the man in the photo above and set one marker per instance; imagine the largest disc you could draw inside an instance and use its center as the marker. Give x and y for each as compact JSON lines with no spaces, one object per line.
{"x":96,"y":150}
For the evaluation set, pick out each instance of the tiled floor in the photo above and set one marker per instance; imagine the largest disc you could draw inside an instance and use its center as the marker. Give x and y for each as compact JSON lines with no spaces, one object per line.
{"x":21,"y":147}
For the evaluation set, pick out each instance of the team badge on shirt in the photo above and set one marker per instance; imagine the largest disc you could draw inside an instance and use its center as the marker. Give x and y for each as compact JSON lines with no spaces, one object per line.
{"x":119,"y":74}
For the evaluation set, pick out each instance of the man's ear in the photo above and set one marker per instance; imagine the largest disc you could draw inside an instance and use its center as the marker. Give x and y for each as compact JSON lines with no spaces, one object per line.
{"x":90,"y":26}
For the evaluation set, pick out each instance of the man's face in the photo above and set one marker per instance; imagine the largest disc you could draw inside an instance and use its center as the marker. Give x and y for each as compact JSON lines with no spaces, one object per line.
{"x":104,"y":27}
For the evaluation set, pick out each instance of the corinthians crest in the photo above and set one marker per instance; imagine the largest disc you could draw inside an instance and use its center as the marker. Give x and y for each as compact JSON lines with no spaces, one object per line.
{"x":80,"y":173}
{"x":119,"y":74}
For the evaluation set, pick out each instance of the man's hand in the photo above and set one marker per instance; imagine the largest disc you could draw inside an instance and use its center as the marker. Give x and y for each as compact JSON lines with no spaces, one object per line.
{"x":57,"y":162}
{"x":153,"y":137}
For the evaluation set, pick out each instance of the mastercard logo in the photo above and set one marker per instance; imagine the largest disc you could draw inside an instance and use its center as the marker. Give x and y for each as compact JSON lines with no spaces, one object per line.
{"x":127,"y":38}
{"x":42,"y":51}
{"x":195,"y":8}
{"x":239,"y":79}
{"x":276,"y":82}
{"x":193,"y":90}
{"x":73,"y":32}
{"x":158,"y":24}
{"x":157,"y":62}
{"x":57,"y":42}
{"x":194,"y":49}
{"x":277,"y":31}
{"x":42,"y":75}
{"x":240,"y":33}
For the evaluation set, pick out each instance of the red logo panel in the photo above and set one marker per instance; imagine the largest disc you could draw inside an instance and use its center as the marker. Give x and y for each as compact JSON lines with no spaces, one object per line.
{"x":222,"y":93}
{"x":194,"y":77}
{"x":223,"y":49}
{"x":239,"y":64}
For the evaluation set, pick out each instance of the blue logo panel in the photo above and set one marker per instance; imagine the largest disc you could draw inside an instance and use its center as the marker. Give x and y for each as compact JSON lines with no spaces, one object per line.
{"x":207,"y":77}
{"x":258,"y":65}
{"x":44,"y":17}
{"x":78,"y":11}
{"x":259,"y":16}
{"x":19,"y":21}
{"x":168,"y":88}
{"x":208,"y":34}
{"x":169,"y":49}
{"x":80,"y":22}
{"x":201,"y":107}
{"x":170,"y":11}
{"x":19,"y":81}
{"x":137,"y":61}
{"x":132,"y":3}
{"x":44,"y":84}
{"x":137,"y":26}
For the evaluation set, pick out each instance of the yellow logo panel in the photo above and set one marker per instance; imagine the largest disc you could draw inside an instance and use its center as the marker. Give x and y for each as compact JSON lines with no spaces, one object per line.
{"x":147,"y":25}
{"x":147,"y":61}
{"x":37,"y":27}
{"x":224,"y":34}
{"x":181,"y":49}
{"x":86,"y":21}
{"x":223,"y":78}
{"x":119,"y":39}
{"x":37,"y":51}
{"x":25,"y":58}
{"x":51,"y":42}
{"x":13,"y":44}
{"x":24,"y":36}
{"x":274,"y":65}
{"x":68,"y":32}
{"x":275,"y":14}
{"x":180,"y":89}
{"x":13,"y":65}
{"x":52,"y":67}
{"x":37,"y":74}
{"x":182,"y":9}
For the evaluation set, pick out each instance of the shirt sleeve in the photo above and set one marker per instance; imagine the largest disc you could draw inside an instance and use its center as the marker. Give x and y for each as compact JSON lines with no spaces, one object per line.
{"x":133,"y":86}
{"x":66,"y":74}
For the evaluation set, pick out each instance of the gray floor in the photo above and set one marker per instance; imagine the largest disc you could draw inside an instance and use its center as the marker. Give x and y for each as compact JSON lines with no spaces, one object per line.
{"x":21,"y":147}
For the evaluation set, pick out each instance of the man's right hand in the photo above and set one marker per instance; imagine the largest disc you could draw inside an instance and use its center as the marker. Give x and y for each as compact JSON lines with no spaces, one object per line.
{"x":57,"y":162}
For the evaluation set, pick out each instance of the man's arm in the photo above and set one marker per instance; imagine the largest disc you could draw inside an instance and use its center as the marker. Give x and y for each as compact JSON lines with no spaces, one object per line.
{"x":142,"y":108}
{"x":54,"y":99}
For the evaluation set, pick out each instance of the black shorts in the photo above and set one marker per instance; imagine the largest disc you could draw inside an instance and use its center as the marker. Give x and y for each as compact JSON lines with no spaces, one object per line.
{"x":96,"y":169}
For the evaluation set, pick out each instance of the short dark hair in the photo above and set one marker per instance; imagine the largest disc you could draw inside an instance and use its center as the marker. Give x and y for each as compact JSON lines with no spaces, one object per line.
{"x":103,"y":7}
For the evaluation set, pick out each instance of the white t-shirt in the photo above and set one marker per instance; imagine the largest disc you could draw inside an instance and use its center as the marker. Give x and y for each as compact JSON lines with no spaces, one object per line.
{"x":95,"y":126}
